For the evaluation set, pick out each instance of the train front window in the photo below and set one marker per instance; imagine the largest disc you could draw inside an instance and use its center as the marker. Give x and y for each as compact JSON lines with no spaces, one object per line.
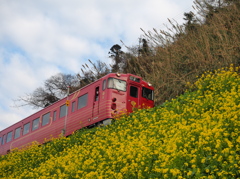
{"x":117,"y":84}
{"x":147,"y":93}
{"x":134,"y":79}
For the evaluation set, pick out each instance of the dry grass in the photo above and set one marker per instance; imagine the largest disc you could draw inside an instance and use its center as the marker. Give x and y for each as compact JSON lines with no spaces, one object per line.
{"x":178,"y":59}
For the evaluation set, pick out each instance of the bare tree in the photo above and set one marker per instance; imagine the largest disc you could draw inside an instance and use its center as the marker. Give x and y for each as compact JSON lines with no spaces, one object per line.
{"x":54,"y":88}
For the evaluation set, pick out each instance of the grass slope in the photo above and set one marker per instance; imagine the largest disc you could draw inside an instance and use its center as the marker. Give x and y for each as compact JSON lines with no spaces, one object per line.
{"x":193,"y":136}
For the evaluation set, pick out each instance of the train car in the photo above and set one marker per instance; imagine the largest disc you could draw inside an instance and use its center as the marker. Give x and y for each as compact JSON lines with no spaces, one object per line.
{"x":96,"y":103}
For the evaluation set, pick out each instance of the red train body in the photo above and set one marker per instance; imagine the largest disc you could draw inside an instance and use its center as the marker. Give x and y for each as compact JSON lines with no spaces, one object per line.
{"x":95,"y":103}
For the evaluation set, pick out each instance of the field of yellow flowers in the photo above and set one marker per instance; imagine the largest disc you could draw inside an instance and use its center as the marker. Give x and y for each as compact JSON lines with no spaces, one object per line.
{"x":196,"y":135}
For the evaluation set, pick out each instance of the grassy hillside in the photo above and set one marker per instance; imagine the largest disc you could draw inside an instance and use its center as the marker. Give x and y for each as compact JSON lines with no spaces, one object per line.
{"x":180,"y":54}
{"x":196,"y":135}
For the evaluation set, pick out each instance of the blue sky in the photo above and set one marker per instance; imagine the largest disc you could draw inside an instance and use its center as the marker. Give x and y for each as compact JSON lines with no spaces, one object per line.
{"x":41,"y":38}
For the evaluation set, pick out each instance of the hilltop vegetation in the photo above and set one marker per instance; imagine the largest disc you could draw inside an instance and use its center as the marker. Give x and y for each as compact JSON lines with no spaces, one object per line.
{"x":204,"y":43}
{"x":193,"y":136}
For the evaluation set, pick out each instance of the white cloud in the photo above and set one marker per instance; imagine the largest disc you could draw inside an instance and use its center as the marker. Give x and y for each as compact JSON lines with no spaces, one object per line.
{"x":41,"y":38}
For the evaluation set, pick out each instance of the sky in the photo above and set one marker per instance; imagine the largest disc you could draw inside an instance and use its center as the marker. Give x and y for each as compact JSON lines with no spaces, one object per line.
{"x":41,"y":38}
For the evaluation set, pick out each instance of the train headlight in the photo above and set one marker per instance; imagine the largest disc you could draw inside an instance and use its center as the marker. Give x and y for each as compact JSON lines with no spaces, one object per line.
{"x":149,"y":84}
{"x":118,"y":74}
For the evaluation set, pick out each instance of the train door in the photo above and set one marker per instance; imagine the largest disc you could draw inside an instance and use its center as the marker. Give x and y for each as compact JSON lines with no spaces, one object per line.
{"x":133,"y":97}
{"x":96,"y":100}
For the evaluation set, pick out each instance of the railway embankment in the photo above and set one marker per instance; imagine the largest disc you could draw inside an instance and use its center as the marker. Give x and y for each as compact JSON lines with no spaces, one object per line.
{"x":196,"y":135}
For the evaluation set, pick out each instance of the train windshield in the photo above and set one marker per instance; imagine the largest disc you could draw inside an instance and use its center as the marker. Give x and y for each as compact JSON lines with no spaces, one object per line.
{"x":117,"y":84}
{"x":147,"y":93}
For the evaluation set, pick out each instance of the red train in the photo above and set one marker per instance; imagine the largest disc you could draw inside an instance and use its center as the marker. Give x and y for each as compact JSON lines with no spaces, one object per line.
{"x":93,"y":104}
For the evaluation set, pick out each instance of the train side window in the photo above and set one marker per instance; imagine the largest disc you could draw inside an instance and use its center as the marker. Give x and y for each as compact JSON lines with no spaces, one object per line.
{"x":3,"y":139}
{"x":133,"y":91}
{"x":26,"y":128}
{"x":63,"y":110}
{"x":45,"y":119}
{"x":82,"y":101}
{"x":17,"y":133}
{"x":54,"y":115}
{"x":0,"y":140}
{"x":73,"y":106}
{"x":35,"y":124}
{"x":9,"y":137}
{"x":104,"y":85}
